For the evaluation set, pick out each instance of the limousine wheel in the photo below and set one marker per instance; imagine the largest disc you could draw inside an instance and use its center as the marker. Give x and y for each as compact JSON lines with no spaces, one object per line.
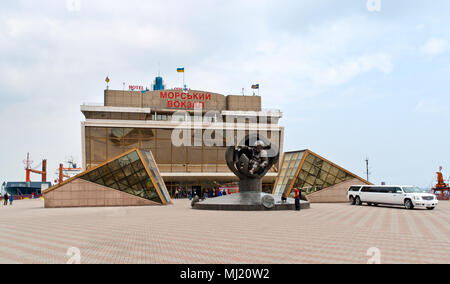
{"x":408,"y":204}
{"x":430,"y":208}
{"x":358,"y":201}
{"x":352,"y":200}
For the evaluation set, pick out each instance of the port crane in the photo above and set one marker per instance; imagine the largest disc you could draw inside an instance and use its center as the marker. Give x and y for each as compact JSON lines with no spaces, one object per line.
{"x":67,"y":172}
{"x":441,"y":189}
{"x":28,"y":162}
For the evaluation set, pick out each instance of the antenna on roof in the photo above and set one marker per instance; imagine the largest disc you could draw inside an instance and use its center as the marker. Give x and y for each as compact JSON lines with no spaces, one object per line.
{"x":367,"y":169}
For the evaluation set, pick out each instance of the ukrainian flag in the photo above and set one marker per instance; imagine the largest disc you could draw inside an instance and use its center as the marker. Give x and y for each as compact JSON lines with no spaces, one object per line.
{"x":180,"y":70}
{"x":255,"y":87}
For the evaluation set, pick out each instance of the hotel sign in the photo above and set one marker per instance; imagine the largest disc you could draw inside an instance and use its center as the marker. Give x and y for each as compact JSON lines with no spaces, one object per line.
{"x":135,"y":88}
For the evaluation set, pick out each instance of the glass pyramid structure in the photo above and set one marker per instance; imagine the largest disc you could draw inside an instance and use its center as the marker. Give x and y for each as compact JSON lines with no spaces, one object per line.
{"x":134,"y":172}
{"x":310,"y":172}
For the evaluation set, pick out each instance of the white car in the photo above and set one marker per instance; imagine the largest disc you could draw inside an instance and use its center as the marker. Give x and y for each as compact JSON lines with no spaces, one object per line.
{"x":408,"y":196}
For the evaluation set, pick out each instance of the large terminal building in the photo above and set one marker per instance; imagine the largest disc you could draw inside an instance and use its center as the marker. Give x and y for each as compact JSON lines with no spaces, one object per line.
{"x":147,"y":120}
{"x":140,"y":146}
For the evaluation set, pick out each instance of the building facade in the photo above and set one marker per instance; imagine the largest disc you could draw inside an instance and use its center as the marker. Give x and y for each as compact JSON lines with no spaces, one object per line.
{"x":130,"y":179}
{"x":320,"y":180}
{"x":187,"y":132}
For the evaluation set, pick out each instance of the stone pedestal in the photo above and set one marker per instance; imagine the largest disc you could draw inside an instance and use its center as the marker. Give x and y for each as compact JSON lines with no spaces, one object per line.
{"x":249,"y":201}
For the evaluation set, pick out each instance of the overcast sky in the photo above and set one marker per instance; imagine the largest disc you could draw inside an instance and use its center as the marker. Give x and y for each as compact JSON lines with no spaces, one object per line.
{"x":352,"y":82}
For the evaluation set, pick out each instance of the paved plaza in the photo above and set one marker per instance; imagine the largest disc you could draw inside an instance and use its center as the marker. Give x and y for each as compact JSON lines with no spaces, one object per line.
{"x":326,"y":233}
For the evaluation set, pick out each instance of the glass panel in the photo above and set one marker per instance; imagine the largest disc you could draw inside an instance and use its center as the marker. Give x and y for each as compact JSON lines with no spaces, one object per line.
{"x":156,"y":175}
{"x":109,"y":180}
{"x":179,"y":155}
{"x":98,"y":148}
{"x":94,"y":175}
{"x":133,"y":157}
{"x":123,"y":184}
{"x":287,"y":172}
{"x":306,"y":166}
{"x":303,"y":174}
{"x":128,"y":170}
{"x":334,"y":171}
{"x":209,"y":155}
{"x":97,"y":132}
{"x":137,"y":166}
{"x":311,"y":179}
{"x":104,"y":170}
{"x":148,"y":145}
{"x":317,"y":162}
{"x":123,"y":161}
{"x":148,"y":133}
{"x":114,"y":149}
{"x":323,"y":175}
{"x":221,"y":155}
{"x":342,"y":175}
{"x":114,"y":166}
{"x":195,"y":155}
{"x":314,"y":171}
{"x":310,"y":158}
{"x":330,"y":179}
{"x":128,"y":144}
{"x":326,"y":166}
{"x":134,"y":179}
{"x":164,"y":134}
{"x":126,"y":174}
{"x":164,"y":151}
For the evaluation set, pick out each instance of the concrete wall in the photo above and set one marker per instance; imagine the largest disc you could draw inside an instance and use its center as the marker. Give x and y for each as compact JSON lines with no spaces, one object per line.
{"x":81,"y":193}
{"x":333,"y":194}
{"x":152,"y":99}
{"x":244,"y":103}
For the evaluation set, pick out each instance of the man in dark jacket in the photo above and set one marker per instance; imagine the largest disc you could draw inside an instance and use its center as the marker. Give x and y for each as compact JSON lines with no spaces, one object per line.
{"x":297,"y":199}
{"x":5,"y":199}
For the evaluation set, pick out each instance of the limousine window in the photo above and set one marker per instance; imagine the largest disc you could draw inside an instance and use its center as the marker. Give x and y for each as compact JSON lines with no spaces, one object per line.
{"x":413,"y":190}
{"x":380,"y":189}
{"x":398,"y":190}
{"x":354,"y":188}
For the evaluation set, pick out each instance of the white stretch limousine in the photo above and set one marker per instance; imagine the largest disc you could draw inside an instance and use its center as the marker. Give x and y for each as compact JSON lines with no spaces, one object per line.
{"x":408,"y":196}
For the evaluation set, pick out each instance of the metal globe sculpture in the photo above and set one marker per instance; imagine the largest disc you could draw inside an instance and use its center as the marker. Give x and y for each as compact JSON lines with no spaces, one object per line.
{"x":251,"y":161}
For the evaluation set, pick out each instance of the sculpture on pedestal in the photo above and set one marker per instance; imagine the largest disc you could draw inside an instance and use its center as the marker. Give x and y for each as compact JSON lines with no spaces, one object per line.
{"x":251,"y":160}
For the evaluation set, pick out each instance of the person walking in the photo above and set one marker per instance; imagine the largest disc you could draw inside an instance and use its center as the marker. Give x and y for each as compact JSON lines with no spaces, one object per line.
{"x":283,"y":198}
{"x":297,"y":199}
{"x":5,"y":199}
{"x":11,"y":199}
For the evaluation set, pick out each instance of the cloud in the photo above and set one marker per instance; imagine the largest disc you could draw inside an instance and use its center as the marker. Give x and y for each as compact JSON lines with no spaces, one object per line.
{"x":429,"y":107}
{"x":435,"y":46}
